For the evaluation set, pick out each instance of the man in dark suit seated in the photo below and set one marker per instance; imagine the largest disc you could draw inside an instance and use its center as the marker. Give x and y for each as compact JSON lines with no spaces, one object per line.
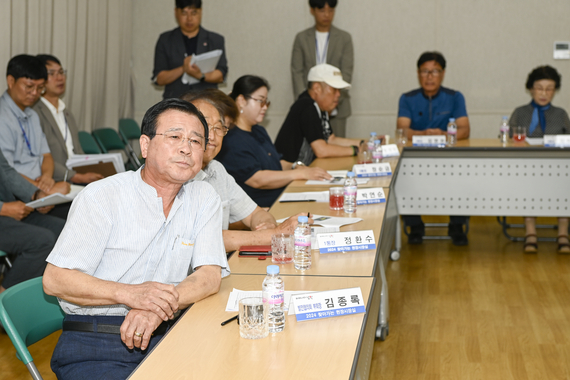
{"x":25,"y":233}
{"x":175,"y":48}
{"x":59,"y":125}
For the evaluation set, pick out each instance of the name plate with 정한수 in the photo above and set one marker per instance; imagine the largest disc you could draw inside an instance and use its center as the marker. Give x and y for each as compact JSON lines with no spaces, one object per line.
{"x":346,"y":241}
{"x":390,"y":150}
{"x":331,"y":303}
{"x":557,"y":141}
{"x":435,"y":140}
{"x":370,"y":196}
{"x":372,"y":170}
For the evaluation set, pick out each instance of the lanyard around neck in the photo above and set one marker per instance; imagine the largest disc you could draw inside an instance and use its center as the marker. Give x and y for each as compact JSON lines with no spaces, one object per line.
{"x":24,"y":133}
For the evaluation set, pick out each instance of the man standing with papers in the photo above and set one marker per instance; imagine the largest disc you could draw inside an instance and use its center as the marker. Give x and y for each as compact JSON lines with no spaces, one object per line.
{"x":174,"y":50}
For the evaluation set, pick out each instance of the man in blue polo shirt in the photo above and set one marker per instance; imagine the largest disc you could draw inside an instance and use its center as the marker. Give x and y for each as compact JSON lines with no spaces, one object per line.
{"x":426,"y":111}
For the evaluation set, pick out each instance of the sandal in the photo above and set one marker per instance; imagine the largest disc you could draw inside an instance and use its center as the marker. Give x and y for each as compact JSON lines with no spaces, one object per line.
{"x":563,"y":247}
{"x":531,"y":247}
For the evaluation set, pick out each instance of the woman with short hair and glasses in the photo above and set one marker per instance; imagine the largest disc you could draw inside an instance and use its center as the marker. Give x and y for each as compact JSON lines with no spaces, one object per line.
{"x":248,"y":153}
{"x":541,"y":118}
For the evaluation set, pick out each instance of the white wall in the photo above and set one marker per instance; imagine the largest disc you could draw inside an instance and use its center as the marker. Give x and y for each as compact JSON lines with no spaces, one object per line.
{"x":490,"y":46}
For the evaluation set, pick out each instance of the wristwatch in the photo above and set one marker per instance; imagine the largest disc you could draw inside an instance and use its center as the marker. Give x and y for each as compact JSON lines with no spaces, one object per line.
{"x":297,"y":164}
{"x":203,"y":78}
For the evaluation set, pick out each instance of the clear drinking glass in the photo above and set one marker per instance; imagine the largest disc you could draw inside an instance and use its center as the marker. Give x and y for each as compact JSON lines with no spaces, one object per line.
{"x":336,"y":198}
{"x":519,"y":134}
{"x":282,"y":248}
{"x":401,"y":138}
{"x":252,"y":318}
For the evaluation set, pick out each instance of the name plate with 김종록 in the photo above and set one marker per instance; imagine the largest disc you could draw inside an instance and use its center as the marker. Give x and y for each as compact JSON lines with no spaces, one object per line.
{"x":327,"y":304}
{"x":390,"y":150}
{"x":372,"y":170}
{"x":430,"y":140}
{"x":370,"y":196}
{"x":349,"y":241}
{"x":557,"y":141}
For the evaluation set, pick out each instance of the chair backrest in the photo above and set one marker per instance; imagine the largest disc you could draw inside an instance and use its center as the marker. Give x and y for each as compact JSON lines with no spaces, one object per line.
{"x":88,"y":143}
{"x":29,"y":315}
{"x":108,"y":139}
{"x":129,"y":130}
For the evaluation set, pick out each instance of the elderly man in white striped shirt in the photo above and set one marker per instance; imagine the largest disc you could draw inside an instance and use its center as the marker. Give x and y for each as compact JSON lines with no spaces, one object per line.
{"x":120,"y":267}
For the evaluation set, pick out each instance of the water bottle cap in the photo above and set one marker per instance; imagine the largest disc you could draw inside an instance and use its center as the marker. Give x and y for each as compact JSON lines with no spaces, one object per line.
{"x":303,"y":219}
{"x":377,"y":141}
{"x":451,"y":120}
{"x":372,"y":133}
{"x":505,"y":118}
{"x":350,"y":174}
{"x":273,"y":269}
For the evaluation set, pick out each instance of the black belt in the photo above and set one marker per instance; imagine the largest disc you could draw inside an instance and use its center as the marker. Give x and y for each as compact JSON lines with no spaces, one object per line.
{"x":103,"y":328}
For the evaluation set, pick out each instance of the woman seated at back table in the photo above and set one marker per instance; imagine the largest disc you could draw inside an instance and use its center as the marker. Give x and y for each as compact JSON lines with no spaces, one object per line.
{"x":541,"y":118}
{"x":248,"y":153}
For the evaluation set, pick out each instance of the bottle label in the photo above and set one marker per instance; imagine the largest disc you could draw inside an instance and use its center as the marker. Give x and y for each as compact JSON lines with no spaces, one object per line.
{"x":350,"y":191}
{"x":452,"y":129}
{"x":303,"y":240}
{"x":274,"y":297}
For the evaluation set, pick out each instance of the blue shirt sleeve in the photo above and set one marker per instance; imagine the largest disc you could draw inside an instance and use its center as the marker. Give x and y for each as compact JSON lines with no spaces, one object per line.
{"x":459,"y":108}
{"x":404,"y":109}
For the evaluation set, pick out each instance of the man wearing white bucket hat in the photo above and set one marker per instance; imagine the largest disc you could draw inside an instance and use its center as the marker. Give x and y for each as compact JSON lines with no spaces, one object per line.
{"x":306,"y":132}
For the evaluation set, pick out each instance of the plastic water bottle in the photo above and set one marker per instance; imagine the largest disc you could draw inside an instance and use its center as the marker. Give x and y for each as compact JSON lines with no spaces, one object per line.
{"x":451,"y":132}
{"x":377,"y":153}
{"x":504,"y":131}
{"x":371,"y":141}
{"x":302,"y":257}
{"x":273,"y":298}
{"x":350,"y":193}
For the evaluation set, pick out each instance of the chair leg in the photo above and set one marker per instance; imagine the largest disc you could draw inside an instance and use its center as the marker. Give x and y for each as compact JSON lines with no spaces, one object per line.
{"x":34,"y":371}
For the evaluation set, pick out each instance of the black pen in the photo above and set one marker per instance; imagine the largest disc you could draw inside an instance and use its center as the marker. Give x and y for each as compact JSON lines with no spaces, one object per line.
{"x":229,"y":320}
{"x":308,"y":215}
{"x":304,"y":200}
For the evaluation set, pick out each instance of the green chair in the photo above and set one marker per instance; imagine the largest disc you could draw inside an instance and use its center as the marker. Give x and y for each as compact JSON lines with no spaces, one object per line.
{"x":29,"y":315}
{"x":88,"y":143}
{"x":129,"y":130}
{"x":108,"y":139}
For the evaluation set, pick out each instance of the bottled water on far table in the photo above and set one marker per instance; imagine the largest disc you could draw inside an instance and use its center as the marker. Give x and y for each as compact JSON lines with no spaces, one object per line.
{"x":371,"y":141}
{"x":504,"y":131}
{"x":377,"y":153}
{"x":303,"y":258}
{"x":451,"y":132}
{"x":273,"y":298}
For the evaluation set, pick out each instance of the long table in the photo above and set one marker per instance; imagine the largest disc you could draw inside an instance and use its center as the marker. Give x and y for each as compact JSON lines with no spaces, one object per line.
{"x":483,"y":177}
{"x":198,"y":347}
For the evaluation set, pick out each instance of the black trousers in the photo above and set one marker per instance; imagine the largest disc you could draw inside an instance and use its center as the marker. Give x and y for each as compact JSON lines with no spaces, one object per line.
{"x":31,"y":240}
{"x":416,"y":220}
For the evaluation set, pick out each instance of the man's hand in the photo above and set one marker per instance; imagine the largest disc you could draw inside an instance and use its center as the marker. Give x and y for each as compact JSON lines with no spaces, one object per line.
{"x":45,"y":182}
{"x":86,"y":177}
{"x":44,"y":210}
{"x":139,"y":321}
{"x":314,"y":173}
{"x":435,"y":131}
{"x":192,"y":70}
{"x":159,"y":298}
{"x":60,"y":187}
{"x":16,"y":210}
{"x":289,"y":225}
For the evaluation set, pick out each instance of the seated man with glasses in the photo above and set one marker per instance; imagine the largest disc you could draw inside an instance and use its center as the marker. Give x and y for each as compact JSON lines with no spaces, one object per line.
{"x":21,"y":138}
{"x":58,"y":124}
{"x":426,"y":111}
{"x":138,"y":247}
{"x":238,"y":209}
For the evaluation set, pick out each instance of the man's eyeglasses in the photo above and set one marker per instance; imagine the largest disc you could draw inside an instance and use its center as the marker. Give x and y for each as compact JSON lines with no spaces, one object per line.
{"x":219,"y":129}
{"x":61,"y":72}
{"x":30,"y":88}
{"x":177,"y":138}
{"x":262,"y":102}
{"x":434,"y":73}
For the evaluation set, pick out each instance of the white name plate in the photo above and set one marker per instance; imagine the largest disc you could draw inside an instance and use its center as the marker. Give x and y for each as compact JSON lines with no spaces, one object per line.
{"x":370,"y":196}
{"x":346,"y":241}
{"x":558,"y":141}
{"x":372,"y":170}
{"x":431,"y":140}
{"x":331,"y":303}
{"x":390,"y":150}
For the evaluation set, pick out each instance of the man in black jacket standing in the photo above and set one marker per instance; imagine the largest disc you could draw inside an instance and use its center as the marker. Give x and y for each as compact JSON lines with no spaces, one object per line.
{"x":175,"y":48}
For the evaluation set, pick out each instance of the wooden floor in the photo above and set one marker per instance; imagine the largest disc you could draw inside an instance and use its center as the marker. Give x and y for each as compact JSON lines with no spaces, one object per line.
{"x":484,"y":311}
